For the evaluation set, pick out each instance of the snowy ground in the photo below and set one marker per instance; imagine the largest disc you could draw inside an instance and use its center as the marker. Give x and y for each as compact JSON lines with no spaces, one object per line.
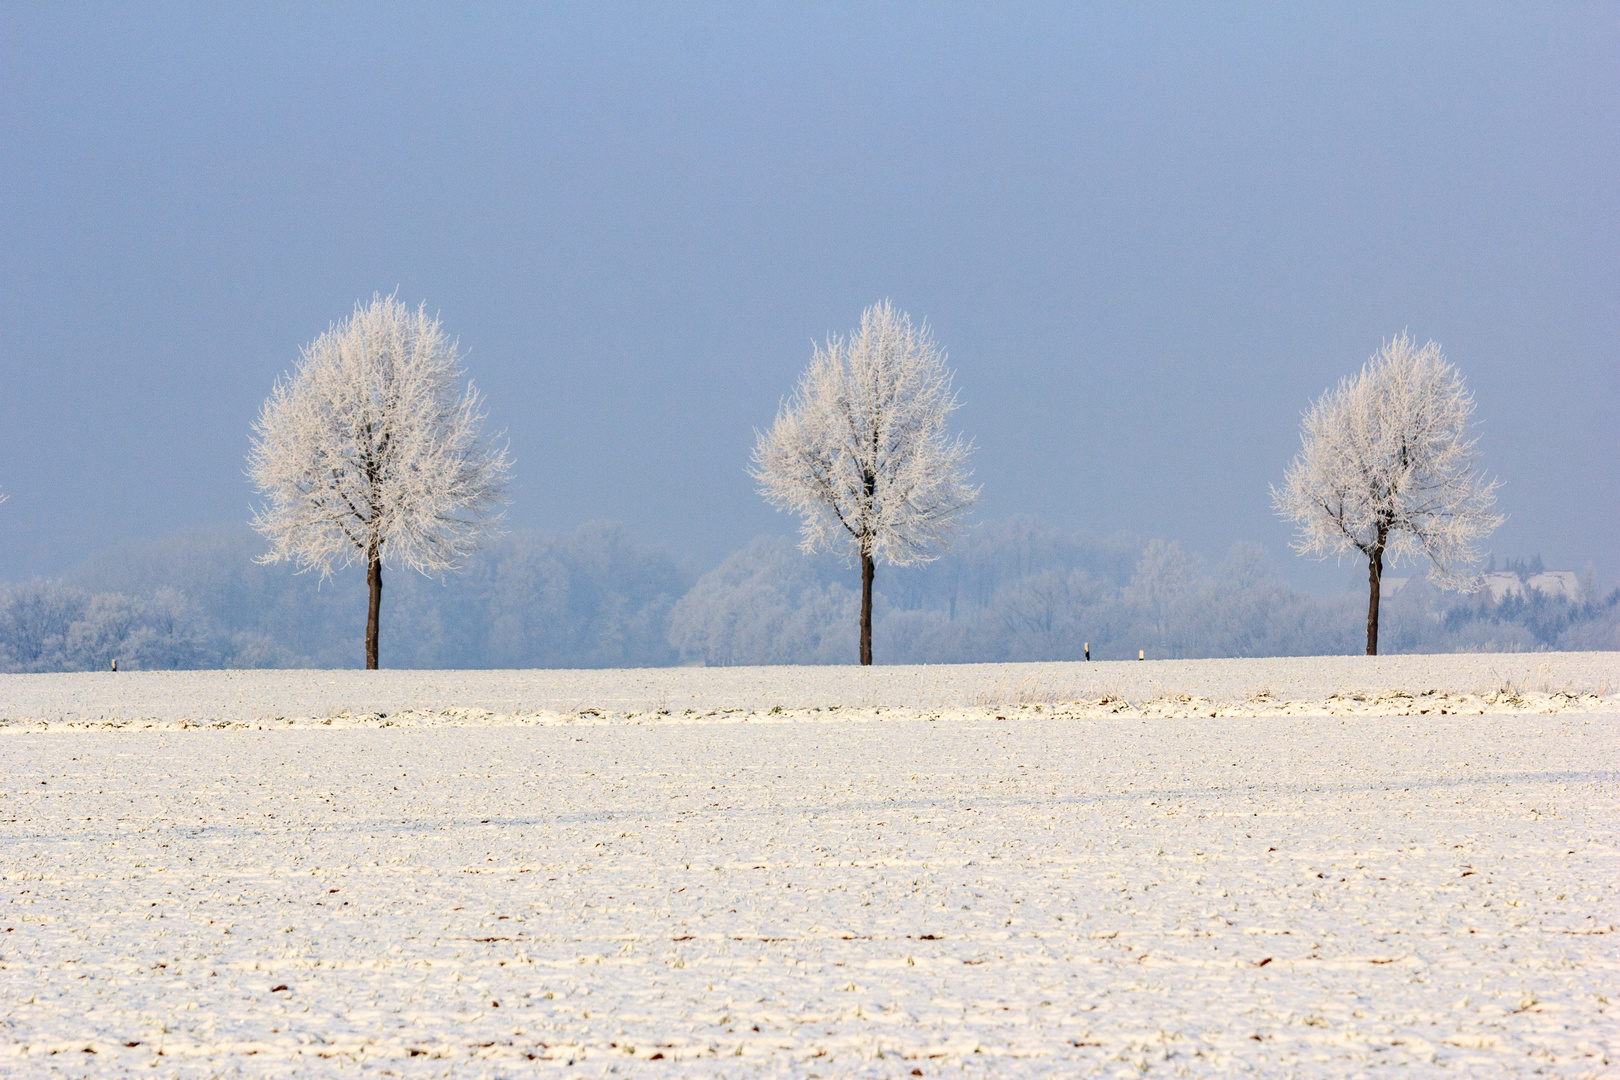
{"x":1318,"y":685}
{"x":940,"y":887}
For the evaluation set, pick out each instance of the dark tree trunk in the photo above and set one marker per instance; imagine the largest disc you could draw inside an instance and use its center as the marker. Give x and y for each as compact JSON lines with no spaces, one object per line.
{"x":866,"y":610}
{"x":374,"y":585}
{"x":1375,"y":573}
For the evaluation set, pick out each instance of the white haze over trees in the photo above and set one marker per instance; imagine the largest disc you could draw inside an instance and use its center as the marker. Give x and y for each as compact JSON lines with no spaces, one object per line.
{"x":589,"y":598}
{"x":1388,"y":469}
{"x":1020,"y":590}
{"x":371,"y":453}
{"x":861,"y":451}
{"x":1010,"y":590}
{"x":52,"y":626}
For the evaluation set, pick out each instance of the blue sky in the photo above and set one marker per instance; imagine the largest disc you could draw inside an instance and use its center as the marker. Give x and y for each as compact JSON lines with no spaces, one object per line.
{"x":1146,"y":238}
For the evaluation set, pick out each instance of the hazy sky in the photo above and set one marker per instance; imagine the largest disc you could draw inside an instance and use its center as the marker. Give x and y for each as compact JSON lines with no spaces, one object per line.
{"x":1147,"y":239}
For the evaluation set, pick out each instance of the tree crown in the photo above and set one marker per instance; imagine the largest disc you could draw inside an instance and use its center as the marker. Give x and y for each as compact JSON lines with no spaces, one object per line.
{"x":861,"y":452}
{"x":1387,"y":466}
{"x":368,"y":450}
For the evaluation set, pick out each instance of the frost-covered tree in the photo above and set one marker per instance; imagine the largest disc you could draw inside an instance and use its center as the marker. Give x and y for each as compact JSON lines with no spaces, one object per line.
{"x":371,"y":453}
{"x":1164,"y":574}
{"x":1388,"y":469}
{"x":861,"y":452}
{"x":765,"y":604}
{"x":50,"y":626}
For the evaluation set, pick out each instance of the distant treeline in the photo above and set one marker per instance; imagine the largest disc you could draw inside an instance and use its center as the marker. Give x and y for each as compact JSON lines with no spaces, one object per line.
{"x":1011,"y":590}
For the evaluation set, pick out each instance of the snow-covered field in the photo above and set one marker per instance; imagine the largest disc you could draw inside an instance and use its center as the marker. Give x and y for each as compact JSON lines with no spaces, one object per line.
{"x":958,"y":869}
{"x":1320,"y":685}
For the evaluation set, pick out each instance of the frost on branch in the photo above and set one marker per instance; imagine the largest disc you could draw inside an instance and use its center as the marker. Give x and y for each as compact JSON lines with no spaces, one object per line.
{"x":861,"y":451}
{"x":371,"y":453}
{"x":1388,"y":469}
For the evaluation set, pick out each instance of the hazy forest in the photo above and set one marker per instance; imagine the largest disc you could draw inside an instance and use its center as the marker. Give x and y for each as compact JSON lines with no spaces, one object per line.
{"x":1007,"y":591}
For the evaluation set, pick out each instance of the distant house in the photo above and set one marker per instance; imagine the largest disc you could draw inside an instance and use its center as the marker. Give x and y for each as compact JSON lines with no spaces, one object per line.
{"x":1389,"y":586}
{"x":1557,"y":583}
{"x":1500,"y":585}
